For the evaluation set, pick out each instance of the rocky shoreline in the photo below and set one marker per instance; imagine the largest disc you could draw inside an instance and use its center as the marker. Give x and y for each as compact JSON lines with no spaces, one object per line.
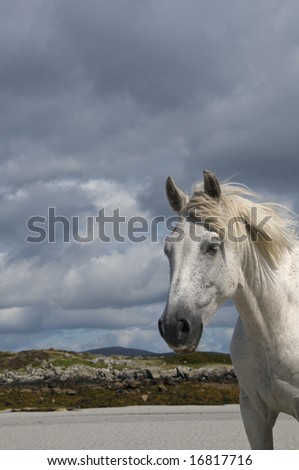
{"x":110,"y":376}
{"x":111,"y":381}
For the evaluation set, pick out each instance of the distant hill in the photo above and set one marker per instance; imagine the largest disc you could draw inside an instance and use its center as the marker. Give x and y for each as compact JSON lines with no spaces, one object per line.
{"x":120,"y":351}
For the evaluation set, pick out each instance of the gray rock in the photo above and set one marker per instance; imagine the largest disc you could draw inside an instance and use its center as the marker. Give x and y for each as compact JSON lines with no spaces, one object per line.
{"x":153,"y":373}
{"x":52,"y":376}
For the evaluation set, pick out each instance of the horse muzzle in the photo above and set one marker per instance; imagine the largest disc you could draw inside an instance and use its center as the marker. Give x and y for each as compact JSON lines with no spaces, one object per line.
{"x":181,"y":333}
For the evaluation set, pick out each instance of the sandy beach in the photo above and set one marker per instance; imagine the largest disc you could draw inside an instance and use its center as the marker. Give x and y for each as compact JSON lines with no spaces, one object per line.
{"x":142,"y":427}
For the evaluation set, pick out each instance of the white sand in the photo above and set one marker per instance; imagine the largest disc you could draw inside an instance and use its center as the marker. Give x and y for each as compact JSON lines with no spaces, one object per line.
{"x":143,"y":427}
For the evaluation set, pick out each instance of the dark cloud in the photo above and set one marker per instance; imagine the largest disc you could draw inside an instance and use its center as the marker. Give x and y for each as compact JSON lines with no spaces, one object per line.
{"x":100,"y":102}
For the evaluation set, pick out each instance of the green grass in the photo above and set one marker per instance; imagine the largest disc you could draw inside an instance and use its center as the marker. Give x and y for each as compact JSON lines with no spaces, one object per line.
{"x":94,"y":396}
{"x":196,"y":359}
{"x":35,"y":358}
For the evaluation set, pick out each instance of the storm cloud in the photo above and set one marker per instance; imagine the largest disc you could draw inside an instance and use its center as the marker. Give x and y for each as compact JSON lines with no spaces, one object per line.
{"x":100,"y":102}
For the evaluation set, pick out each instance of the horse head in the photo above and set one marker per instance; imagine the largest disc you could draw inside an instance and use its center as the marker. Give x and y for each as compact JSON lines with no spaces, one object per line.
{"x":203,"y":269}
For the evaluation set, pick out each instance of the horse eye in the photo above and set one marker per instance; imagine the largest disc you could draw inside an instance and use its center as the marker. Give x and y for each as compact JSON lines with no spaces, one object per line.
{"x":213,"y":248}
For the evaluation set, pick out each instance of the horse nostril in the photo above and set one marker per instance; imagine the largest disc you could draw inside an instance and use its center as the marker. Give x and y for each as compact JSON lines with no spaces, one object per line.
{"x":184,"y":326}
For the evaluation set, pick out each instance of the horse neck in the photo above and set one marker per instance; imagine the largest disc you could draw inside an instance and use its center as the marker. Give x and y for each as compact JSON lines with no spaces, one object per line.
{"x":255,"y":311}
{"x":262,"y":301}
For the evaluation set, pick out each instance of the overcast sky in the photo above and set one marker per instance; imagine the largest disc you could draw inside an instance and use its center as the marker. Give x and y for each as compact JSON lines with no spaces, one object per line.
{"x":100,"y":101}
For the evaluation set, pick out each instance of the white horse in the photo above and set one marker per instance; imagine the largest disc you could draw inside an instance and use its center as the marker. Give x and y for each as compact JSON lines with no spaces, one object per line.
{"x":227,"y":246}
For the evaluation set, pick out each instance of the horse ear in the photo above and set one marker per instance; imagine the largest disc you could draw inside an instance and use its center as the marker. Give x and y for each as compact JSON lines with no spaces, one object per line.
{"x":211,"y":185}
{"x":176,"y":197}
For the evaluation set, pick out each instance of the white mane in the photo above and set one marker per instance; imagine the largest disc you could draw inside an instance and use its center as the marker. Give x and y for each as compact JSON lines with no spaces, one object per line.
{"x":265,"y":231}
